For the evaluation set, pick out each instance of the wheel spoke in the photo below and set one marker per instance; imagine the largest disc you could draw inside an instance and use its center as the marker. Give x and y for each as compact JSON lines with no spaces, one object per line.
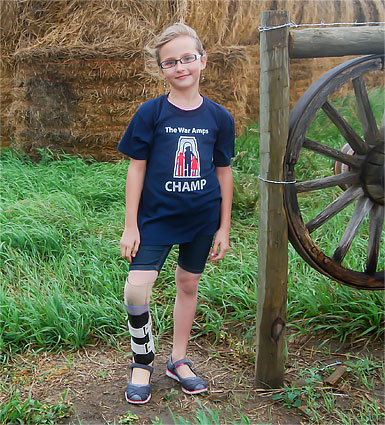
{"x":334,"y":208}
{"x":348,"y":178}
{"x":376,"y":220}
{"x":324,"y":150}
{"x":362,"y":208}
{"x":369,"y":126}
{"x":354,"y":140}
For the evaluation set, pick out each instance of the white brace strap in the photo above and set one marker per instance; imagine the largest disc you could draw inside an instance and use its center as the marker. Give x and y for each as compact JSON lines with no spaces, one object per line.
{"x":146,"y":348}
{"x":141,"y":332}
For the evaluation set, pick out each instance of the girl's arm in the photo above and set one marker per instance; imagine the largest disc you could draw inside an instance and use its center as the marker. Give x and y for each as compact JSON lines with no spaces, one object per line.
{"x":221,"y":241}
{"x":129,"y":243}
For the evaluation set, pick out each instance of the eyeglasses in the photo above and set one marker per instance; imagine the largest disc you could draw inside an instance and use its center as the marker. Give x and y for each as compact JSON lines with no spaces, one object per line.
{"x":172,"y":62}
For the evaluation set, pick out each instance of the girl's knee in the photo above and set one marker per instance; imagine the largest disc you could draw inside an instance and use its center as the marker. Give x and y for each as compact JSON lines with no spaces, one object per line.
{"x":186,"y":281}
{"x":138,"y":287}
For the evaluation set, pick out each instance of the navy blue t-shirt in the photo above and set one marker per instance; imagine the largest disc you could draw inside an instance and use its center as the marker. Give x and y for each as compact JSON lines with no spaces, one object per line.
{"x":181,"y":194}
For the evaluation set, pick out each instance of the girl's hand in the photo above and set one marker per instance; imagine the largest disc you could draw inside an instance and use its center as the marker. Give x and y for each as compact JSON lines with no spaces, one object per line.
{"x":221,"y":245}
{"x":129,"y":243}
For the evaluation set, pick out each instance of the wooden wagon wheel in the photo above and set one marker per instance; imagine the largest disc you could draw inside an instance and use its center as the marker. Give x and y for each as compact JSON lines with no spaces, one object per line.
{"x":352,"y":182}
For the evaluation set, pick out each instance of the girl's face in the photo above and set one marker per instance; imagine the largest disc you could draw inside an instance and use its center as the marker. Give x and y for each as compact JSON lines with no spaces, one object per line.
{"x":182,"y":76}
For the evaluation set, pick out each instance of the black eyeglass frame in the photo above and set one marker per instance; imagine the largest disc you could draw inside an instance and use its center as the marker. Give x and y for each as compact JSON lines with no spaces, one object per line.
{"x":181,"y":60}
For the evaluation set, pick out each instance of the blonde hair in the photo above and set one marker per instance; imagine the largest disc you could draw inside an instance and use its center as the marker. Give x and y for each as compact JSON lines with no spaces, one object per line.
{"x":176,"y":30}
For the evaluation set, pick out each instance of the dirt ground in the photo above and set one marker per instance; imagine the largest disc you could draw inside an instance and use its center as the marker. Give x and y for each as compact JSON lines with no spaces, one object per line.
{"x":96,"y":377}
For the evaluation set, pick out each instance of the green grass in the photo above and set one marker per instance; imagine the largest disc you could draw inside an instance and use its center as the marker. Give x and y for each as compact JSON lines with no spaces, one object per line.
{"x":204,"y":416}
{"x":29,"y":411}
{"x":62,"y":276}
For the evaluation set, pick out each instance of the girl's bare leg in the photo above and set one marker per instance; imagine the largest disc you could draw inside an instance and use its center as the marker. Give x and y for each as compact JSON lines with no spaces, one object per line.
{"x":184,"y":313}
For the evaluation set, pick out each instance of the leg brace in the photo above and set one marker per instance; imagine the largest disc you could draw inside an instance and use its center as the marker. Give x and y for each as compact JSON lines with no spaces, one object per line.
{"x":137,"y":304}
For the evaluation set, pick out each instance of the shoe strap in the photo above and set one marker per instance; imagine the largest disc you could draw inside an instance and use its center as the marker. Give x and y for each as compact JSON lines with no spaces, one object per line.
{"x":142,"y":366}
{"x":182,"y":362}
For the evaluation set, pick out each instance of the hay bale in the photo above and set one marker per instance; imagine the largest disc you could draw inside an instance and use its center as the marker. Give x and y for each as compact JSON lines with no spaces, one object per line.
{"x":6,"y":86}
{"x":82,"y":106}
{"x":96,"y":100}
{"x":44,"y":28}
{"x":74,"y":71}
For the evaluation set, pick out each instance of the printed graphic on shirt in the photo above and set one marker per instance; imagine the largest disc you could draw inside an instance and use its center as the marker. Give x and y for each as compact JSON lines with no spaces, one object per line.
{"x":187,"y":163}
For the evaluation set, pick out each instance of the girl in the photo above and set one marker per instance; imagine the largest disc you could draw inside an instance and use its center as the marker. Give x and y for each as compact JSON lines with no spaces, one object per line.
{"x":179,"y":191}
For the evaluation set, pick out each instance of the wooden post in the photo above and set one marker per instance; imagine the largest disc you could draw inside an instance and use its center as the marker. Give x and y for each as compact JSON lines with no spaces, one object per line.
{"x":273,"y":240}
{"x":327,"y":42}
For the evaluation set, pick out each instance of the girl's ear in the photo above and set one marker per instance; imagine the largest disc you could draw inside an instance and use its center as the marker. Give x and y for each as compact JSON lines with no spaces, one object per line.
{"x":203,"y":62}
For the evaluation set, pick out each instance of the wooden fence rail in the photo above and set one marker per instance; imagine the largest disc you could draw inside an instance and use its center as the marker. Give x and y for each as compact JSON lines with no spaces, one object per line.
{"x":342,"y":41}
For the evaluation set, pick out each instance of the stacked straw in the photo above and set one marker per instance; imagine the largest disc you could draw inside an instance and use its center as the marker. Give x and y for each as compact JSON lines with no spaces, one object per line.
{"x":74,"y":72}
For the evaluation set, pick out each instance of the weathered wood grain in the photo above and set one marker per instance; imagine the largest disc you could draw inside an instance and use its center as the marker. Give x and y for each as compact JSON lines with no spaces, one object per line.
{"x":347,"y":178}
{"x":332,"y":153}
{"x":368,"y":121}
{"x":328,"y":42}
{"x":360,"y":212}
{"x":273,"y":238}
{"x":376,"y":221}
{"x":354,"y":140}
{"x":334,"y":208}
{"x":336,"y":376}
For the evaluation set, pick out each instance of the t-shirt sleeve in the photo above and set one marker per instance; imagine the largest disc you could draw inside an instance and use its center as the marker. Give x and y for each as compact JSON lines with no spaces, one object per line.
{"x":224,"y":146}
{"x":137,"y":139}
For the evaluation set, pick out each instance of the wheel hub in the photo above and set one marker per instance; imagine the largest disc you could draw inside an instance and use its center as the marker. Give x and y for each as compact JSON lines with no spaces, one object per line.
{"x":372,"y":174}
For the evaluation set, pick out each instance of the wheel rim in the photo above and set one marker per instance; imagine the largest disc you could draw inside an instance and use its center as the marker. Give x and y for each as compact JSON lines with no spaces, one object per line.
{"x":357,"y":186}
